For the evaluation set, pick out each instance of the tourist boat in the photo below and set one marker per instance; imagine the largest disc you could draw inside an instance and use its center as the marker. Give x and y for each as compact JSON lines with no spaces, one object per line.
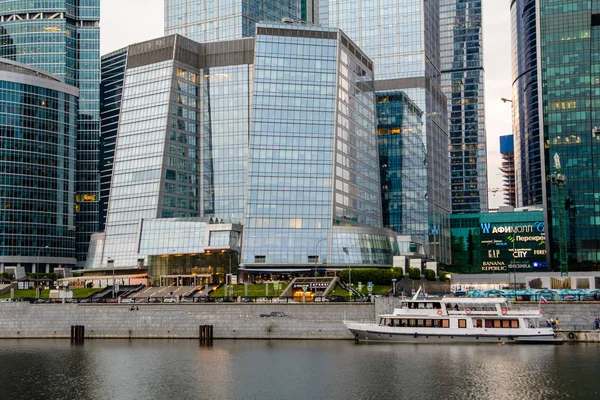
{"x":452,"y":319}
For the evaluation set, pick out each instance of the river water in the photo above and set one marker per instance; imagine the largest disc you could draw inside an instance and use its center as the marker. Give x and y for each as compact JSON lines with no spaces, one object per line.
{"x":294,"y":369}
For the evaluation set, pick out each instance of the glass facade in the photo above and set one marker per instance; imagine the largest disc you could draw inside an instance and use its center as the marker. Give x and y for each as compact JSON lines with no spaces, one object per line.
{"x":138,"y":168}
{"x":507,"y":151}
{"x":526,"y":122}
{"x":111,"y":90}
{"x":402,"y":37}
{"x":313,"y":149}
{"x":295,"y":161}
{"x":63,"y":38}
{"x":401,"y":155}
{"x":38,"y":120}
{"x":569,"y":37}
{"x":207,"y":21}
{"x":461,"y":49}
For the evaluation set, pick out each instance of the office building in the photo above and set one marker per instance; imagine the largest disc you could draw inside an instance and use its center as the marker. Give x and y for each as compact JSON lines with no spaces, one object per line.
{"x":111,"y":90}
{"x":259,"y":172}
{"x":38,"y":121}
{"x":569,"y":81}
{"x":461,"y":48}
{"x":403,"y":40}
{"x":63,"y":38}
{"x":401,"y":155}
{"x":507,"y":151}
{"x":209,"y":21}
{"x":526,"y":122}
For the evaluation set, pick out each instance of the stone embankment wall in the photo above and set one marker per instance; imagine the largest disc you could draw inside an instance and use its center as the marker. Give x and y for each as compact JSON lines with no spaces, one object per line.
{"x":235,"y":321}
{"x":242,"y":321}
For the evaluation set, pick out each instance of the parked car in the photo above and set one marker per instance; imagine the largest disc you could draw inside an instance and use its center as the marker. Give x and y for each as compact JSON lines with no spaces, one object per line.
{"x":274,"y":314}
{"x":127,"y":300}
{"x":247,"y":300}
{"x":187,"y":299}
{"x":460,"y":294}
{"x":568,"y":298}
{"x":336,"y":299}
{"x":153,"y":300}
{"x":170,"y":300}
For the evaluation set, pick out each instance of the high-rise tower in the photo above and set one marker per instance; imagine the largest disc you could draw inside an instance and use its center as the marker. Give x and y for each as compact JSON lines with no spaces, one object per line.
{"x":206,"y":21}
{"x":63,"y":38}
{"x":403,"y":40}
{"x":463,"y":83}
{"x":569,"y":80}
{"x":526,"y":122}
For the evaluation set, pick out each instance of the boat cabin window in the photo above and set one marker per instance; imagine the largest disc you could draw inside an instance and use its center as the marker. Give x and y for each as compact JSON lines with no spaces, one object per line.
{"x":478,"y":323}
{"x":422,"y":305}
{"x":415,"y":322}
{"x":501,"y":323}
{"x":462,"y":323}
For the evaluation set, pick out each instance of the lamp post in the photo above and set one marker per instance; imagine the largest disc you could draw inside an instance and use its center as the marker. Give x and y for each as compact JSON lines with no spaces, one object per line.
{"x":111,"y":262}
{"x":37,"y":290}
{"x":345,"y":249}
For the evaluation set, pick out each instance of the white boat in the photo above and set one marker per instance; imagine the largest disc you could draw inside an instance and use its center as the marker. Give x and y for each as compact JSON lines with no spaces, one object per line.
{"x":452,"y":319}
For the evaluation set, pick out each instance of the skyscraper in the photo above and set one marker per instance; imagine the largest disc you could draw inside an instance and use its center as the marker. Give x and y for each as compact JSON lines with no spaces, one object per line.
{"x":111,"y":90}
{"x":63,"y":38}
{"x":569,"y":83}
{"x":258,"y":132}
{"x":207,"y":21}
{"x":38,"y":120}
{"x":526,"y":123}
{"x":463,"y":83}
{"x":403,"y":40}
{"x":507,"y":150}
{"x":401,"y":155}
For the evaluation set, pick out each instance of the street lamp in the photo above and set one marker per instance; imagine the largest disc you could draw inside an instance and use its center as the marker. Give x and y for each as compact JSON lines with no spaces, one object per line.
{"x":37,"y":291}
{"x":317,"y":259}
{"x":111,"y":262}
{"x":345,"y":249}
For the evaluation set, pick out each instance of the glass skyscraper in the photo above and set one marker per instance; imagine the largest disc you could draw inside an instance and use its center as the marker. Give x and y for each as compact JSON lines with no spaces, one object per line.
{"x":63,"y":38}
{"x":250,"y":131}
{"x":38,"y":120}
{"x":111,"y":90}
{"x":402,"y":37}
{"x":463,"y":83}
{"x":569,"y":58}
{"x":313,"y":162}
{"x":401,"y":155}
{"x":207,"y":21}
{"x":526,"y":122}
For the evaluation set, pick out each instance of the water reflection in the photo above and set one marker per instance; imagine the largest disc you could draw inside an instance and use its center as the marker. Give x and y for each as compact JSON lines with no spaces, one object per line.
{"x":161,"y":369}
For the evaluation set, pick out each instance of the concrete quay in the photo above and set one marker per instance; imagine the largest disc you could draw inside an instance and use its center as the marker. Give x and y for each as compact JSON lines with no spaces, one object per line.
{"x":236,"y":321}
{"x":170,"y":321}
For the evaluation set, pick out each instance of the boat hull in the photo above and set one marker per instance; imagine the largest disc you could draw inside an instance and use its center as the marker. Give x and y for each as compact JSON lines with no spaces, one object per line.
{"x":367,"y":335}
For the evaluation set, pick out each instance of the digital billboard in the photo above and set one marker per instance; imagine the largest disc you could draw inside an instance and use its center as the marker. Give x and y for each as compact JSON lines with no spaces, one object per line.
{"x":508,"y":247}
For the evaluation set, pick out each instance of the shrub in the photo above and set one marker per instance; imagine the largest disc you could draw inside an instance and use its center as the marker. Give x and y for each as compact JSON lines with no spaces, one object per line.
{"x":444,"y":277}
{"x":429,"y":274}
{"x":414,"y":273}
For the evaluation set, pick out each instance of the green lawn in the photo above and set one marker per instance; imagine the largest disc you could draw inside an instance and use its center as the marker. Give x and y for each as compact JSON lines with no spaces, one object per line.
{"x":30,"y":293}
{"x":253,"y":290}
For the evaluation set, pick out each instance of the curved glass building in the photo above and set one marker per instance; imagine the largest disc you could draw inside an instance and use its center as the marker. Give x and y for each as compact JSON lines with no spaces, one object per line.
{"x":63,"y":37}
{"x":526,"y":127}
{"x":38,"y":121}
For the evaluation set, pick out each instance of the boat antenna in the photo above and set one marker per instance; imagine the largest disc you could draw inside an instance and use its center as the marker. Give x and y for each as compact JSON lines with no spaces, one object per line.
{"x":417,"y":293}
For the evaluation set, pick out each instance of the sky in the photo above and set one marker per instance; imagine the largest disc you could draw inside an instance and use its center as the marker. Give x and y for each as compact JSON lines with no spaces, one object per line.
{"x":124,"y":22}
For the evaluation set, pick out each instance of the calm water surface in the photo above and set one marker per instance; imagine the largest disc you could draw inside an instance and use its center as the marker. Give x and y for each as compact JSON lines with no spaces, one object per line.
{"x":181,"y":369}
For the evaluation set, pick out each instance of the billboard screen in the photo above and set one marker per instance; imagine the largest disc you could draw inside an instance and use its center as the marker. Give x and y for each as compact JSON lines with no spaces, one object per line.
{"x":520,"y":247}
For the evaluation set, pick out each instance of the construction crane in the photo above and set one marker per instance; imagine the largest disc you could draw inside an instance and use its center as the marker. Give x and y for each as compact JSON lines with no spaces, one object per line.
{"x":560,"y":180}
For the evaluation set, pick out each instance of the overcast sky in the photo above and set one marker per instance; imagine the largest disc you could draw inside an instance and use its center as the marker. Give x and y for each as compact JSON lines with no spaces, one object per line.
{"x":124,"y":22}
